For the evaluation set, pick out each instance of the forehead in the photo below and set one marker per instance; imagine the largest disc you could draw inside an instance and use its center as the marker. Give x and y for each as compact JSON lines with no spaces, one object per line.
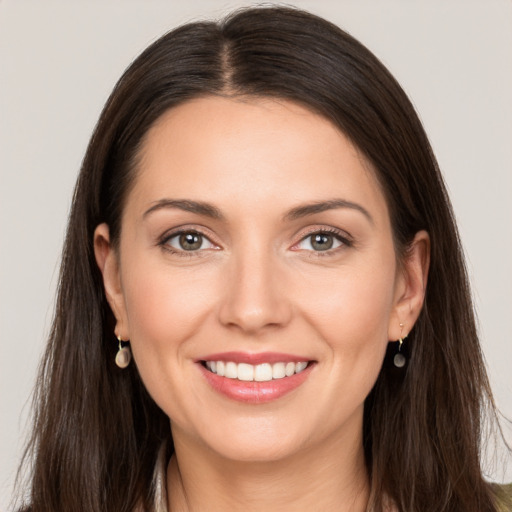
{"x":250,"y":151}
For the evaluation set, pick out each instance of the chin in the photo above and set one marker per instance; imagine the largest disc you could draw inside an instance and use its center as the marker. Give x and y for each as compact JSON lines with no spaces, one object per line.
{"x":263,"y":439}
{"x":253,"y":451}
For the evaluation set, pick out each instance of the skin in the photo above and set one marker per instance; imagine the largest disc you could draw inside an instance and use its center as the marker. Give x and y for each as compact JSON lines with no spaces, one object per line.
{"x":258,"y":285}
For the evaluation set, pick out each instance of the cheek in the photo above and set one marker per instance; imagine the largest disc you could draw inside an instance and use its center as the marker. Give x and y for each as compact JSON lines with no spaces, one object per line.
{"x":355,"y":304}
{"x":352,"y":317}
{"x":165,"y":307}
{"x":163,"y":301}
{"x":352,"y":320}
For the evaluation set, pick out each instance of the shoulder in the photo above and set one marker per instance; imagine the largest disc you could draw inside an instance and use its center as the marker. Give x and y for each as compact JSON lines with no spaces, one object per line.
{"x":504,"y":497}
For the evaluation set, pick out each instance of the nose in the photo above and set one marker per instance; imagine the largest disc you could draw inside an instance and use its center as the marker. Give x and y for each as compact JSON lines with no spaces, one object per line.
{"x":255,"y":298}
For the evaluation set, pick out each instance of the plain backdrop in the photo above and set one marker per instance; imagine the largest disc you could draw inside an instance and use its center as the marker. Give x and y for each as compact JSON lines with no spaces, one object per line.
{"x":60,"y":59}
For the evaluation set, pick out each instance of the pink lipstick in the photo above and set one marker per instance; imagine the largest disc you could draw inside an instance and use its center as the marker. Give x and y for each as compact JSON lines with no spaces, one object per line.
{"x":255,"y":378}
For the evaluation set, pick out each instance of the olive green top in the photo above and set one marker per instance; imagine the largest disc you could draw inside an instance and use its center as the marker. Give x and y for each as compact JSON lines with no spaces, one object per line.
{"x":504,"y":493}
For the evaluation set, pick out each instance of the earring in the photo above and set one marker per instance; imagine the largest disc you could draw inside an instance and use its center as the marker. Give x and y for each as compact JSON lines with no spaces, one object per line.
{"x":399,"y":359}
{"x":124,"y":355}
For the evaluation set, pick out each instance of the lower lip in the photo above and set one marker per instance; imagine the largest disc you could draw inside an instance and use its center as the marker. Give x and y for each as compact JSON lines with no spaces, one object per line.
{"x":255,"y":392}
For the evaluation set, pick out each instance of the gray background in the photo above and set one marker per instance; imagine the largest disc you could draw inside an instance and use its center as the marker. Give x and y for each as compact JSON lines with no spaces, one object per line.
{"x":60,"y":59}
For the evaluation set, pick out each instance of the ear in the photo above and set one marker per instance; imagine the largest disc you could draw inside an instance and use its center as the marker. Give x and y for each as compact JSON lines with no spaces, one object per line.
{"x":410,"y":287}
{"x":108,"y":263}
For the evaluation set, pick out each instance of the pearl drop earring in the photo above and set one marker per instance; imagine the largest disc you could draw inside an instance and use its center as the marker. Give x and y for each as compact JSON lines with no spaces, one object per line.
{"x":399,"y":359}
{"x":124,"y":355}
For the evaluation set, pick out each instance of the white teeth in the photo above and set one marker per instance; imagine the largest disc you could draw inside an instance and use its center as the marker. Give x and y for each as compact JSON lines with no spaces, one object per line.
{"x":258,"y":373}
{"x":245,"y":372}
{"x":278,"y":371}
{"x":231,"y":371}
{"x":300,"y":366}
{"x":290,"y":369}
{"x":263,"y":372}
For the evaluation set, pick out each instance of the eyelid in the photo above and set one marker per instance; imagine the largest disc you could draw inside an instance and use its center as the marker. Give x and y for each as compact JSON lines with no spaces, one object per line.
{"x":341,"y":235}
{"x":187,"y":228}
{"x":345,"y":238}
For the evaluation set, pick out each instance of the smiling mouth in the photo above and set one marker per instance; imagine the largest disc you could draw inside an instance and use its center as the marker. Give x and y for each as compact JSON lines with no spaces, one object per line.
{"x":255,"y":373}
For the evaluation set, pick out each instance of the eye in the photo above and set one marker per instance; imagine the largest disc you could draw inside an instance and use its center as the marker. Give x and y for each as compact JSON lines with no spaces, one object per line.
{"x":321,"y":241}
{"x":189,"y":241}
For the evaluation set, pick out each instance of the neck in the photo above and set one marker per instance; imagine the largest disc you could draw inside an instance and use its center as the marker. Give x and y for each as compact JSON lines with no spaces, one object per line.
{"x":331,"y":477}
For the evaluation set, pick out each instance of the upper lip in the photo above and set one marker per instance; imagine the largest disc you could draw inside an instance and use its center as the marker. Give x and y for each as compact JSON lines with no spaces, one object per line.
{"x":254,"y":358}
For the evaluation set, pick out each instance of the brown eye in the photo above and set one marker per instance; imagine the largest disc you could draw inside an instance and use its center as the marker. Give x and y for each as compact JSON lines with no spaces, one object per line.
{"x":321,"y":241}
{"x":189,"y":241}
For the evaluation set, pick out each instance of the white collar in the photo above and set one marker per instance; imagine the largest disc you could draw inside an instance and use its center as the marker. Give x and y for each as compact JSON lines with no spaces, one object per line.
{"x":160,"y":480}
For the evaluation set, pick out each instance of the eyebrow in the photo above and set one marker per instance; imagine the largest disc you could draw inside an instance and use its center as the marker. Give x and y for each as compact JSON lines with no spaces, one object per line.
{"x":322,"y":206}
{"x":208,"y":210}
{"x":199,"y":207}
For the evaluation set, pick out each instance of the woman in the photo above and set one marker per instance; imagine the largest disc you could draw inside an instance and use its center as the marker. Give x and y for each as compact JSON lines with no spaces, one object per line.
{"x":261,"y":225}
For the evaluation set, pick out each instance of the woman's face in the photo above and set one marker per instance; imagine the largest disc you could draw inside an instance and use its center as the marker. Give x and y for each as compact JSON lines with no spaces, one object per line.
{"x":256,"y":240}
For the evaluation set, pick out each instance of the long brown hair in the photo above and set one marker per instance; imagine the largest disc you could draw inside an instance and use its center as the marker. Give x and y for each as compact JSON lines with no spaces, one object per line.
{"x":97,"y":431}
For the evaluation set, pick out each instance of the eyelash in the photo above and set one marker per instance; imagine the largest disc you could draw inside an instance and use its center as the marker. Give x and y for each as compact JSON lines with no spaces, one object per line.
{"x":341,"y":236}
{"x":164,"y":242}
